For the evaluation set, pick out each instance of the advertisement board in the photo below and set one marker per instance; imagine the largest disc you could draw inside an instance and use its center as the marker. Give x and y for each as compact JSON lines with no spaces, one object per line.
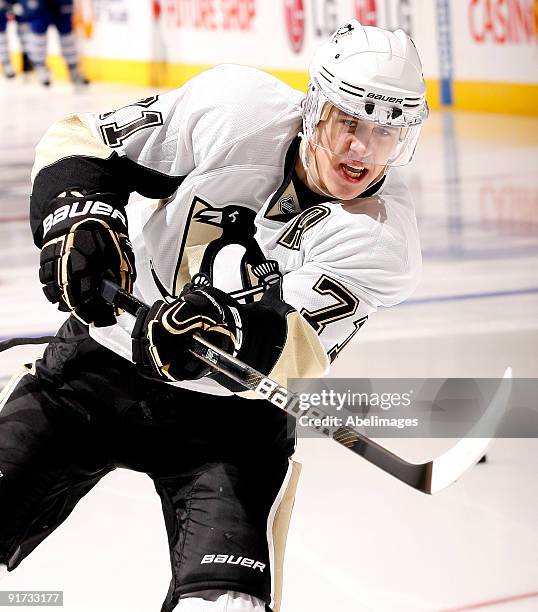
{"x":476,"y":54}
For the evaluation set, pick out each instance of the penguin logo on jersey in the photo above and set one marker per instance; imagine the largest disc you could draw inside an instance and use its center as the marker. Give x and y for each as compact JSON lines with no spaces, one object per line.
{"x":219,"y":242}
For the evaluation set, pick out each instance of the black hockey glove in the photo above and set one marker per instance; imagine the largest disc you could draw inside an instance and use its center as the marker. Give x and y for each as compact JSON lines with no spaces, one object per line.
{"x":84,"y":240}
{"x":165,"y":333}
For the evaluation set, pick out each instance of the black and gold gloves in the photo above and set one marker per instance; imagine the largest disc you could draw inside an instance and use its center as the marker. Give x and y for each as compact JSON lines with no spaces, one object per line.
{"x":167,"y":330}
{"x":84,"y":239}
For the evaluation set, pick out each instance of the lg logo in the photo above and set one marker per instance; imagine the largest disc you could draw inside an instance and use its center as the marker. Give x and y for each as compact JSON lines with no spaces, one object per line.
{"x":324,"y":16}
{"x":390,"y":14}
{"x":325,"y":20}
{"x":294,"y":11}
{"x":366,"y":12}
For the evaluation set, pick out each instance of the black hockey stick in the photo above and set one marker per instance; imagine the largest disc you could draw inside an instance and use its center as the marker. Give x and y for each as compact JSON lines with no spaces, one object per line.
{"x":429,"y":477}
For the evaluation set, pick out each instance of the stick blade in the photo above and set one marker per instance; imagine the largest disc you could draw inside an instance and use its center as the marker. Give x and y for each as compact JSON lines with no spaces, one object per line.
{"x":450,"y":466}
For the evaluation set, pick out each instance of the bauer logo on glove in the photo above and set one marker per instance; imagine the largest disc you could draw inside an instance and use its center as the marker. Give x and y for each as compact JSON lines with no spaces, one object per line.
{"x":79,"y":209}
{"x":86,"y":242}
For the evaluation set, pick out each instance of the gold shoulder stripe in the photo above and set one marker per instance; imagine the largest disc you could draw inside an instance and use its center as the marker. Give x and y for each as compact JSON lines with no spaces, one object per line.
{"x":303,"y":355}
{"x":67,"y":137}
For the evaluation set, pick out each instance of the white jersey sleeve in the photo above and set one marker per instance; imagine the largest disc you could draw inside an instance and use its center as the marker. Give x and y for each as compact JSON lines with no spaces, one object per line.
{"x":174,"y":132}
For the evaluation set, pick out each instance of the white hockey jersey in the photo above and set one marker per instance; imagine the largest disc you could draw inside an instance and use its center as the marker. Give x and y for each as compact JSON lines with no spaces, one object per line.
{"x":229,"y":138}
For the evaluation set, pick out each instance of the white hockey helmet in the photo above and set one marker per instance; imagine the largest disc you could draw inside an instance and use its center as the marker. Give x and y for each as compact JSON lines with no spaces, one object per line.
{"x":367,"y":74}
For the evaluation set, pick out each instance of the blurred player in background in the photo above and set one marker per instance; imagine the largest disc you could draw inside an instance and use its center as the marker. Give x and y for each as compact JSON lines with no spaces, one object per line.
{"x":15,"y":10}
{"x":5,"y":59}
{"x":272,"y":224}
{"x":59,"y":13}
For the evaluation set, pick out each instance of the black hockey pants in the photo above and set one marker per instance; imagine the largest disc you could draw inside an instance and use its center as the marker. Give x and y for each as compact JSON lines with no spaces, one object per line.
{"x":218,"y":463}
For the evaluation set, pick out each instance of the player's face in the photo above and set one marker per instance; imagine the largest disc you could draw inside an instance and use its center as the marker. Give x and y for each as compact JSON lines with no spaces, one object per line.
{"x":350,"y":153}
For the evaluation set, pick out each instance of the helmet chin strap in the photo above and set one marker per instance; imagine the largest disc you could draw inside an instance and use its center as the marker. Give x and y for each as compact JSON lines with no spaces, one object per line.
{"x":312,"y":173}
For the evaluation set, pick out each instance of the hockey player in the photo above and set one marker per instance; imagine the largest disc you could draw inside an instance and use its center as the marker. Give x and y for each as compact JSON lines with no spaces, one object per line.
{"x":7,"y":67}
{"x":14,"y":10}
{"x":335,"y":237}
{"x":41,"y":15}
